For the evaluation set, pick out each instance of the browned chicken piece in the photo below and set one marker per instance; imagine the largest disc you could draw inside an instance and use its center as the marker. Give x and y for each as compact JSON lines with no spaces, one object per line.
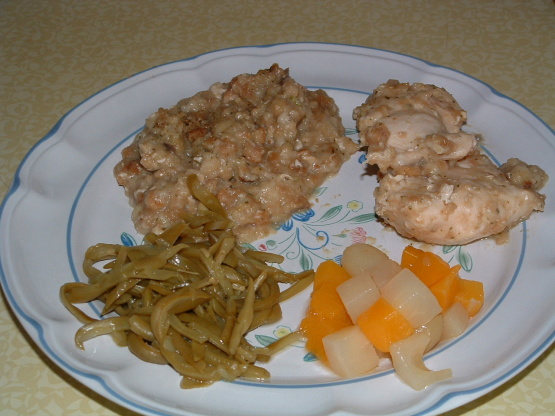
{"x":524,"y":175}
{"x":261,"y":143}
{"x":471,"y":200}
{"x":412,"y":128}
{"x":435,"y":186}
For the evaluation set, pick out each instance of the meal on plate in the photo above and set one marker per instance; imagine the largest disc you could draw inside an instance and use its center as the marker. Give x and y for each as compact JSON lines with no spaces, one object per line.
{"x":231,"y":163}
{"x":435,"y":185}
{"x":187,"y":297}
{"x":261,"y":143}
{"x":371,"y":307}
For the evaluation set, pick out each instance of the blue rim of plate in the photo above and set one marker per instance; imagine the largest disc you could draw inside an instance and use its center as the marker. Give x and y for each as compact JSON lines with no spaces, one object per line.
{"x":483,"y":389}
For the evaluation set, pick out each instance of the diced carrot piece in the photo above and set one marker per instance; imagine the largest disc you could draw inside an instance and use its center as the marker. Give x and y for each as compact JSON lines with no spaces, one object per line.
{"x":447,"y":287}
{"x":327,"y":303}
{"x":325,"y":300}
{"x":471,"y":295}
{"x":330,"y":273}
{"x":384,"y":325}
{"x":316,"y":327}
{"x":326,"y":313}
{"x":429,"y":267}
{"x":410,"y":258}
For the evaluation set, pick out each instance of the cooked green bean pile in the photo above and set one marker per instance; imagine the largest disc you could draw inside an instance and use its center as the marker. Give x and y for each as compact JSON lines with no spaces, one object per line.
{"x":187,"y":297}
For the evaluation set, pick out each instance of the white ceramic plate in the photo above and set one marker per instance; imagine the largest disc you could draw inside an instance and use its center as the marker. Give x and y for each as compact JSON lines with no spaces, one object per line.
{"x":64,"y":198}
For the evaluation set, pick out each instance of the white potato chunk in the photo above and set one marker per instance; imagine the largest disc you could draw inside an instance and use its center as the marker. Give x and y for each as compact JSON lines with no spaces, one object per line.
{"x":407,"y":357}
{"x":434,"y":329}
{"x":384,"y":271}
{"x":350,"y":353}
{"x":455,"y":321}
{"x":362,"y":258}
{"x":358,"y":294}
{"x":408,"y":294}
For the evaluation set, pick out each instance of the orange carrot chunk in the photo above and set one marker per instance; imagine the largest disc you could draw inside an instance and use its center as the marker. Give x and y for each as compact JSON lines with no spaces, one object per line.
{"x":411,"y":257}
{"x":330,"y":273}
{"x":316,"y":328}
{"x":447,"y":287}
{"x":429,"y":267}
{"x":384,"y":325}
{"x":471,"y":295}
{"x":326,"y":303}
{"x":326,"y":313}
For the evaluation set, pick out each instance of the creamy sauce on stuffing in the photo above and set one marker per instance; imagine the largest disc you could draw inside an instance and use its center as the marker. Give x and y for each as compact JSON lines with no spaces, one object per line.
{"x":261,"y":143}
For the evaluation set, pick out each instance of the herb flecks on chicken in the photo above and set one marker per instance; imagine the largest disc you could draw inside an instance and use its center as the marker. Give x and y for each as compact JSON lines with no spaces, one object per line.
{"x":435,"y":186}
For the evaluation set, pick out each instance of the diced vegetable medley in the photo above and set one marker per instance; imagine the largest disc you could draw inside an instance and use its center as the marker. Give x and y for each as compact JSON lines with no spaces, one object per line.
{"x":371,"y":307}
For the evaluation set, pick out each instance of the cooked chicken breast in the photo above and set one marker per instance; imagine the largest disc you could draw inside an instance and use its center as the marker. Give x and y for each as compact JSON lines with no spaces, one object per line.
{"x":435,"y":185}
{"x":471,"y":200}
{"x":412,"y":128}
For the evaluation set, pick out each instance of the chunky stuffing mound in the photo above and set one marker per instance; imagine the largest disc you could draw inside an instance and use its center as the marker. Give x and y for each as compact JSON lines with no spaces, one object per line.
{"x":261,"y":143}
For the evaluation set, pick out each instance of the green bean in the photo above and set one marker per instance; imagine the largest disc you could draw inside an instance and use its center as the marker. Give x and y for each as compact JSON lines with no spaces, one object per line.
{"x":101,"y":327}
{"x":244,"y":319}
{"x":145,"y":352}
{"x":187,"y":297}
